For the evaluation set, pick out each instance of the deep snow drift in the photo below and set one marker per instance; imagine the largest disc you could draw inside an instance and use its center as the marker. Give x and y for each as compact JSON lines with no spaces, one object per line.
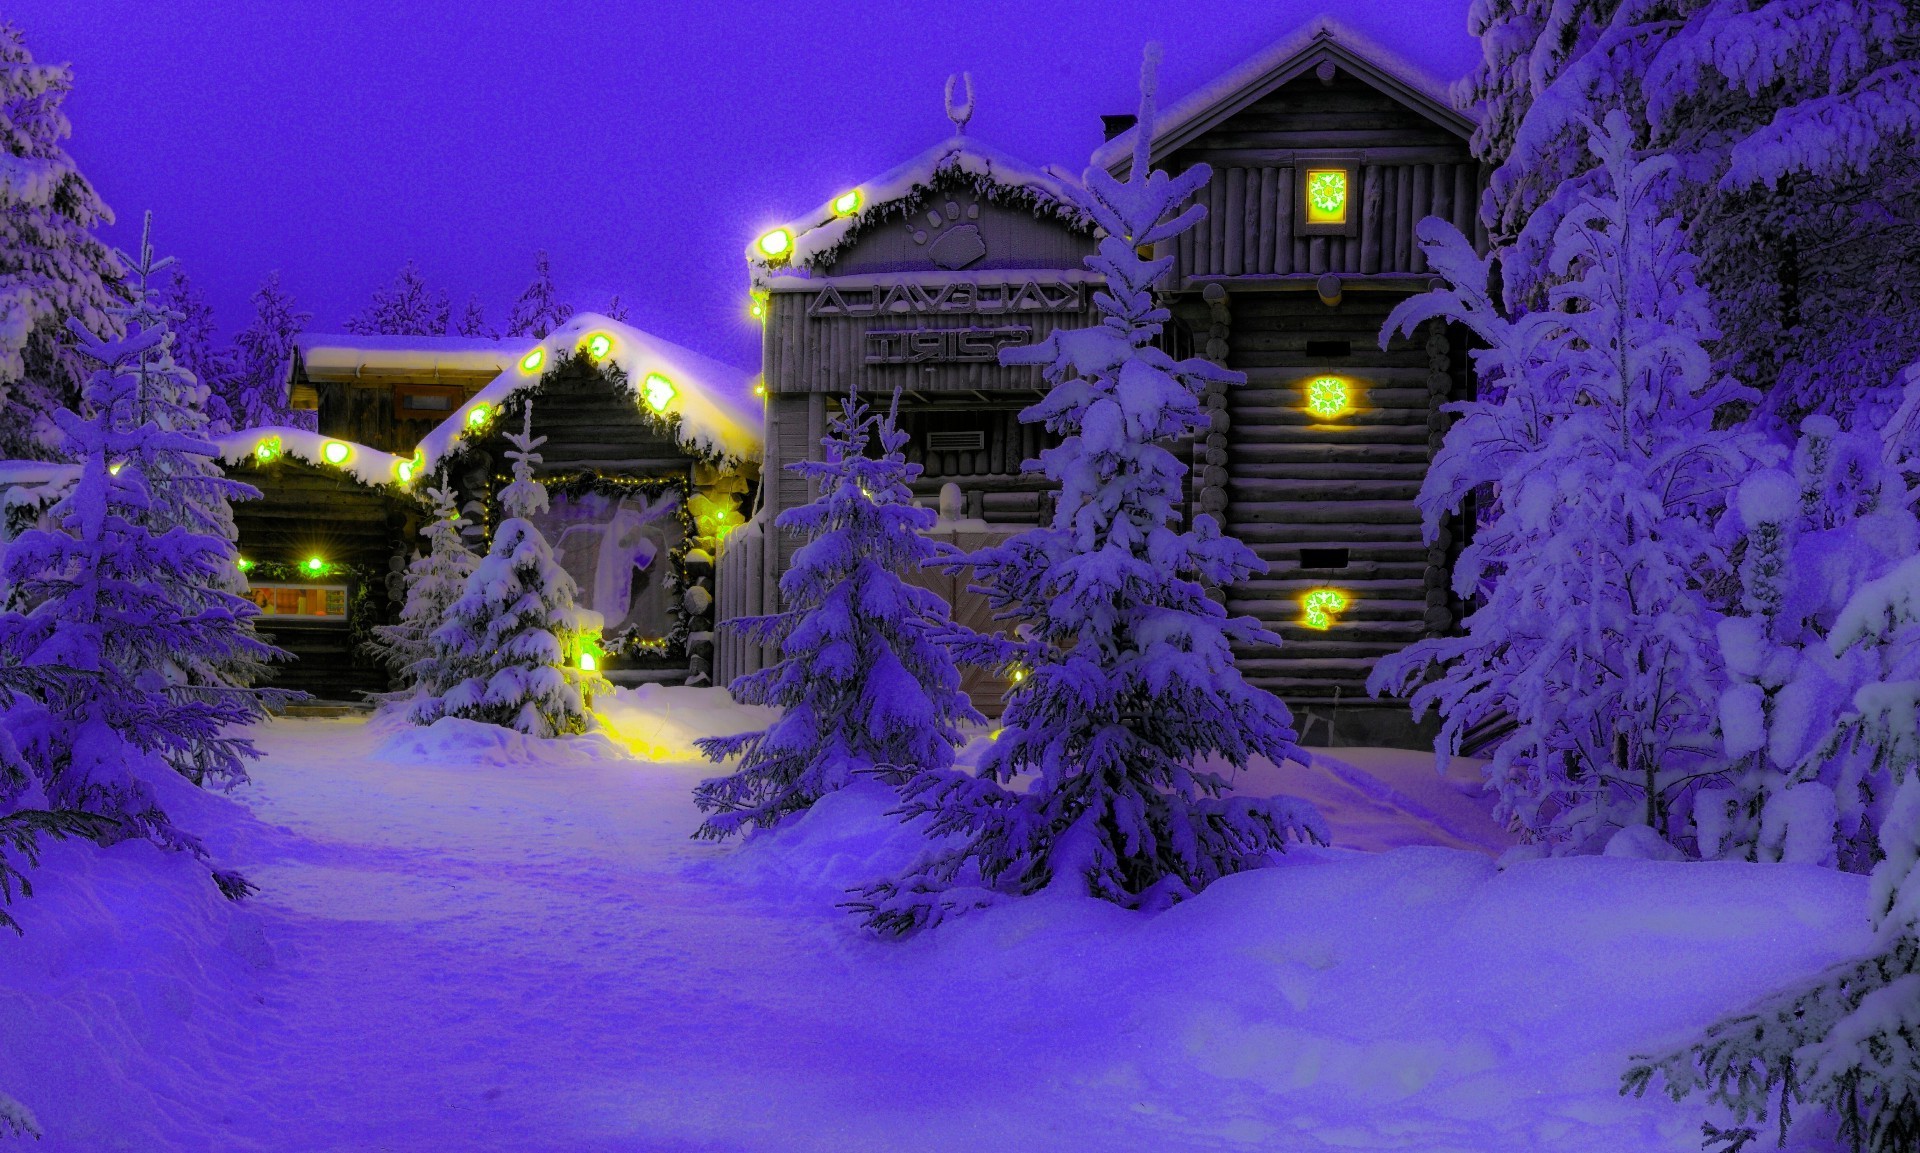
{"x":469,"y":940}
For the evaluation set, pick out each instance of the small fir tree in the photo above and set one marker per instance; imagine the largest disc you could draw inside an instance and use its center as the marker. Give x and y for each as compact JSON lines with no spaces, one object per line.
{"x":195,"y":347}
{"x":404,"y":308}
{"x":53,"y":268}
{"x":434,"y":582}
{"x":510,"y":650}
{"x":864,"y":679}
{"x":539,"y":310}
{"x":262,"y":351}
{"x":1596,"y":433}
{"x":1127,"y":679}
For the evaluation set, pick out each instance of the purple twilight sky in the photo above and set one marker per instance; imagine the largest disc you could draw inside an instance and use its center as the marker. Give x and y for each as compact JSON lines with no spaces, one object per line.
{"x":642,"y":144}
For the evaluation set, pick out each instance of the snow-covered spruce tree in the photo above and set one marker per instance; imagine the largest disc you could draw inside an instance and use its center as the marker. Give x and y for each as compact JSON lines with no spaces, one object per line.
{"x":1793,"y":123}
{"x":404,"y":308}
{"x":1595,"y":431}
{"x":23,"y":819}
{"x":186,"y":489}
{"x":538,"y":311}
{"x":1808,"y":539}
{"x":863,"y":676}
{"x":1849,"y":1041}
{"x":53,"y":268}
{"x":508,"y":652}
{"x":473,"y":321}
{"x":1129,"y":683}
{"x":140,"y":612}
{"x":261,"y":351}
{"x":194,"y":345}
{"x":434,"y":582}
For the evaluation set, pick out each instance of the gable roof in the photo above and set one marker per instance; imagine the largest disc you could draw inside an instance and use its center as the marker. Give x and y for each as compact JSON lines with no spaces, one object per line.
{"x":1324,"y":39}
{"x":334,"y":356}
{"x":819,"y":235}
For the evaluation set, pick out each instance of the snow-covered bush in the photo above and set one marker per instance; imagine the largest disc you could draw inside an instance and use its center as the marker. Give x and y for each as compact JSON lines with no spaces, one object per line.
{"x":1127,"y":678}
{"x":434,"y":582}
{"x":1595,"y":433}
{"x":864,"y":678}
{"x":509,"y":652}
{"x":1808,"y":540}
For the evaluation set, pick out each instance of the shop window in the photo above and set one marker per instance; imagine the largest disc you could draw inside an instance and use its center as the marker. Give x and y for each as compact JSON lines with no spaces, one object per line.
{"x":322,"y":604}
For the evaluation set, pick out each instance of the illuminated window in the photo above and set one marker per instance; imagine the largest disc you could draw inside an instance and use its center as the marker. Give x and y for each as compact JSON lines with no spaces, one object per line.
{"x":320,"y":603}
{"x":1323,"y":197}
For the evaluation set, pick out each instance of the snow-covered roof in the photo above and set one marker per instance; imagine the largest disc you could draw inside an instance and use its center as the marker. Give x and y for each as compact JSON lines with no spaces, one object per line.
{"x":342,"y":354}
{"x":369,"y":466}
{"x":33,"y":483}
{"x":719,"y":413}
{"x":1280,"y":62}
{"x":821,"y":233}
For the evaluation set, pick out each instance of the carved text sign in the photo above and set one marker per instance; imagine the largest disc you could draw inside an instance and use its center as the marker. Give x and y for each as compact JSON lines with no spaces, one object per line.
{"x":944,"y":345}
{"x":958,"y":296}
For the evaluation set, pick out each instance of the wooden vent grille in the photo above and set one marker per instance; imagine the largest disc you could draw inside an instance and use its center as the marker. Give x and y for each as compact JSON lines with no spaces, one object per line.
{"x":956,"y":441}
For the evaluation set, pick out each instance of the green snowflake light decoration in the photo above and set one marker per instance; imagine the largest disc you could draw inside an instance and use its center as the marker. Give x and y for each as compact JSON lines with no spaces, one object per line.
{"x":1327,"y":397}
{"x":1327,"y":196}
{"x":1320,"y":607}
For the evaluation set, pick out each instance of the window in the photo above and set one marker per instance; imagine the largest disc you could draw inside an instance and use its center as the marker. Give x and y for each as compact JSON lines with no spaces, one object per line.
{"x":426,"y":401}
{"x":325,"y":604}
{"x":1326,"y":197}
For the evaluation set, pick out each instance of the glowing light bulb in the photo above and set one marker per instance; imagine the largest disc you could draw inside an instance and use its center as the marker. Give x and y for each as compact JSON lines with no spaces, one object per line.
{"x":267,"y":450}
{"x":847,"y":203}
{"x":758,"y":310}
{"x":315,"y":566}
{"x":335,"y":452}
{"x":479,"y":417}
{"x":114,"y":468}
{"x":1321,"y":606}
{"x":245,"y":564}
{"x":599,"y":345}
{"x":657,"y":391}
{"x":775,"y":244}
{"x":587,"y":663}
{"x":1019,"y":674}
{"x":759,"y":388}
{"x":404,"y":470}
{"x":532,"y":361}
{"x":1328,"y":397}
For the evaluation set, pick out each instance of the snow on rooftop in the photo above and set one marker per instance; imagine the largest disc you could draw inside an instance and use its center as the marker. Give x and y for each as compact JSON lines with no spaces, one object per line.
{"x":1244,"y":81}
{"x":369,"y":466}
{"x":345,"y":354}
{"x":33,"y":483}
{"x":719,"y":413}
{"x":822,"y":232}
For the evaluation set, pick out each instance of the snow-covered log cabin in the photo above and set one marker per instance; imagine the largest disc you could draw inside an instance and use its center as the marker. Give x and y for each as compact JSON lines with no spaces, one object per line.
{"x":651,"y":459}
{"x":1325,"y":152}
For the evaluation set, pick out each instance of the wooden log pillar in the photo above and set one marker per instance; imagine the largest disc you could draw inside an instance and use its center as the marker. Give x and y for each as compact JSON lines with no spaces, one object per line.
{"x":1210,"y":451}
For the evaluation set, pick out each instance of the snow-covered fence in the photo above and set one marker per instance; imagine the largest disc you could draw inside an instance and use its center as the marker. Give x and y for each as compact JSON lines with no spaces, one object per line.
{"x":737,"y":584}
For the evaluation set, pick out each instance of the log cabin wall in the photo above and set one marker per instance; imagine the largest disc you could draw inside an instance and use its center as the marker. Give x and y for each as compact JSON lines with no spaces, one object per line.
{"x":1327,"y":503}
{"x":306,"y":512}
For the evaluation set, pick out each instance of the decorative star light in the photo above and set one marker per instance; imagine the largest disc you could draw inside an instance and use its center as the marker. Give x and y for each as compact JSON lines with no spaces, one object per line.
{"x":1327,"y":196}
{"x":336,"y":452}
{"x":1321,"y":606}
{"x":532,"y":361}
{"x":847,"y":203}
{"x":244,"y":563}
{"x":315,"y":566}
{"x":406,"y":470}
{"x":599,"y":345}
{"x":479,"y":417}
{"x":1327,"y":397}
{"x":267,"y":450}
{"x":657,"y":391}
{"x":775,"y":244}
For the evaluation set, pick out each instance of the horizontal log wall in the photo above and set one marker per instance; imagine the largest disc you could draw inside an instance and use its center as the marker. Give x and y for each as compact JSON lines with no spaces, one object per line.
{"x":1296,"y":482}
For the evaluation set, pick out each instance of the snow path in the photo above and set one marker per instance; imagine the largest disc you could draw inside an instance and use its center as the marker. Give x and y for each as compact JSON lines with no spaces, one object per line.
{"x":470,"y":942}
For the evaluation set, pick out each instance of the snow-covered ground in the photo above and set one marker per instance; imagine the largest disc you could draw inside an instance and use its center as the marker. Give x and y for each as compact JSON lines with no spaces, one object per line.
{"x":466,"y":940}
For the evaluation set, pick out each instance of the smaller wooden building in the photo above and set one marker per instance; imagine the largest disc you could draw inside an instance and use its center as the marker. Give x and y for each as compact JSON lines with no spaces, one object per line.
{"x":651,"y":460}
